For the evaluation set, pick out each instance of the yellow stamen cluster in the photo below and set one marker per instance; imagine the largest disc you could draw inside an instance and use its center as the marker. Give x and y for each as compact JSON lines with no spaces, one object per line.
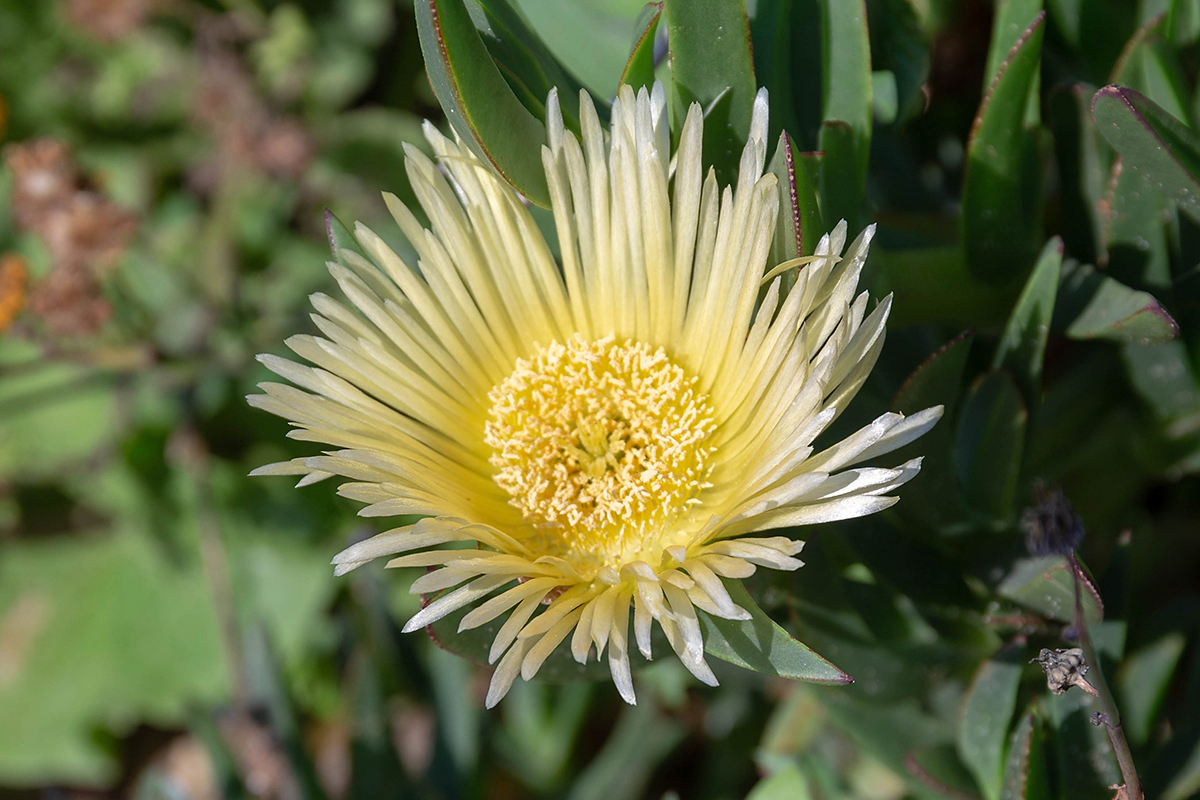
{"x":600,"y":440}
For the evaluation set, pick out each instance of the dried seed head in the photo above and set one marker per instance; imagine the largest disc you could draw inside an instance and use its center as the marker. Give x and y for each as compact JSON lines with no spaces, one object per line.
{"x":1064,"y":669}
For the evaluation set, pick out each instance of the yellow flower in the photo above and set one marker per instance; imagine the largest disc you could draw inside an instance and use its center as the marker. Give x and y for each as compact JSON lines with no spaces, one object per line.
{"x":609,"y":427}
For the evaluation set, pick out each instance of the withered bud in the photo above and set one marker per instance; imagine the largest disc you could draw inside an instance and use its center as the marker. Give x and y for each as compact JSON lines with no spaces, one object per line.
{"x":1064,"y":669}
{"x":1051,"y":526}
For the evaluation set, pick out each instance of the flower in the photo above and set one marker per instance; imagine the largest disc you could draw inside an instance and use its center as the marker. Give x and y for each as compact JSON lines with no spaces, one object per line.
{"x":609,"y":428}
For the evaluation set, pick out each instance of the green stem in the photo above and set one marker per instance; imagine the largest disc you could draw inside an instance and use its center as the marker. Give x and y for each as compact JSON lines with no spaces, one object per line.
{"x":1108,"y":706}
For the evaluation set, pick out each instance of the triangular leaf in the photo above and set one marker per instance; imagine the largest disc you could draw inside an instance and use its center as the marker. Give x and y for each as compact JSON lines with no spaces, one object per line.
{"x":760,"y":644}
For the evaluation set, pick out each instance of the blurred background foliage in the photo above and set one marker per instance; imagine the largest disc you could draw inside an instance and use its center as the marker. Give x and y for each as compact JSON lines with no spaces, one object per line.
{"x":171,"y":629}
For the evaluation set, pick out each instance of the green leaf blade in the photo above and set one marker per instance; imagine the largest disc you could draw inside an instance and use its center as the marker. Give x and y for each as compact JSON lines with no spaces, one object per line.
{"x":1151,"y":140}
{"x":712,"y":64}
{"x":639,"y":68}
{"x":1046,"y":585}
{"x":760,"y":644}
{"x":984,"y":719}
{"x":990,"y":444}
{"x":1100,"y":307}
{"x":1022,"y":346}
{"x":846,"y":53}
{"x":478,"y":100}
{"x":1000,"y":202}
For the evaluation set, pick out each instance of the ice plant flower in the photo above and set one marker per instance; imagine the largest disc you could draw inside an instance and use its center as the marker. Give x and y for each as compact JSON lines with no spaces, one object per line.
{"x":611,"y":429}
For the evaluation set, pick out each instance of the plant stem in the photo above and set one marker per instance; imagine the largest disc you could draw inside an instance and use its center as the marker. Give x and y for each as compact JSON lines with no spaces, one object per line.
{"x":1108,"y":706}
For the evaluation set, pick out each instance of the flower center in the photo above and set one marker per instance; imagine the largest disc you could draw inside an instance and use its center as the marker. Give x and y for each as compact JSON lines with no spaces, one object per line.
{"x":600,"y":443}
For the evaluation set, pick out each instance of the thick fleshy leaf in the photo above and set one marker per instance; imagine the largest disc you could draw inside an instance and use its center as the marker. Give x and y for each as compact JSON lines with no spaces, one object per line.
{"x":340,"y":237}
{"x":1022,"y":346}
{"x":641,"y":739}
{"x":1184,"y":781}
{"x":639,"y":69}
{"x":1084,"y":164}
{"x":73,"y":666}
{"x":1046,"y":585}
{"x":1126,"y":69}
{"x":1025,"y":774}
{"x":846,"y":91}
{"x":788,"y":783}
{"x":938,"y":379}
{"x":841,"y":194}
{"x":478,"y":102}
{"x":1092,"y":305}
{"x":935,"y":498}
{"x":787,"y":61}
{"x":892,"y":731}
{"x":527,"y":63}
{"x":941,"y":770}
{"x":1096,"y":30}
{"x":1151,"y":141}
{"x":1001,"y":200}
{"x":1163,"y":376}
{"x":711,"y":64}
{"x":1008,"y":26}
{"x":1183,"y":21}
{"x":983,"y":720}
{"x":799,"y":226}
{"x":900,"y":46}
{"x":1142,"y":684}
{"x":760,"y":644}
{"x":990,"y":443}
{"x":1136,"y":234}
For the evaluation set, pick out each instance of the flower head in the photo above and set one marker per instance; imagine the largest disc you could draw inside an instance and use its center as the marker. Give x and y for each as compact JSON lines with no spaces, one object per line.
{"x":611,"y":428}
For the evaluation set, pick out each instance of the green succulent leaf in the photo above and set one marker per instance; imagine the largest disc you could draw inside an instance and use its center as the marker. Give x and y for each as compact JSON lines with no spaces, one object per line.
{"x":642,"y":738}
{"x":941,"y":767}
{"x":477,"y":99}
{"x":846,"y":92}
{"x":900,"y":46}
{"x":1136,"y":235}
{"x":788,"y":783}
{"x":1142,"y":683}
{"x":936,"y":498}
{"x":1084,"y":163}
{"x":1151,"y":141}
{"x":1045,"y":585}
{"x":1025,"y":770}
{"x":1184,"y":781}
{"x":147,"y":647}
{"x":760,"y":644}
{"x":1000,"y":201}
{"x":1183,"y":21}
{"x":712,"y":64}
{"x":800,"y":224}
{"x":1095,"y":30}
{"x":527,"y":63}
{"x":340,"y":237}
{"x":984,"y":718}
{"x":990,"y":443}
{"x":1094,"y":306}
{"x":1009,"y":25}
{"x":1163,"y":376}
{"x":1022,"y":346}
{"x":639,"y":69}
{"x":840,"y":196}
